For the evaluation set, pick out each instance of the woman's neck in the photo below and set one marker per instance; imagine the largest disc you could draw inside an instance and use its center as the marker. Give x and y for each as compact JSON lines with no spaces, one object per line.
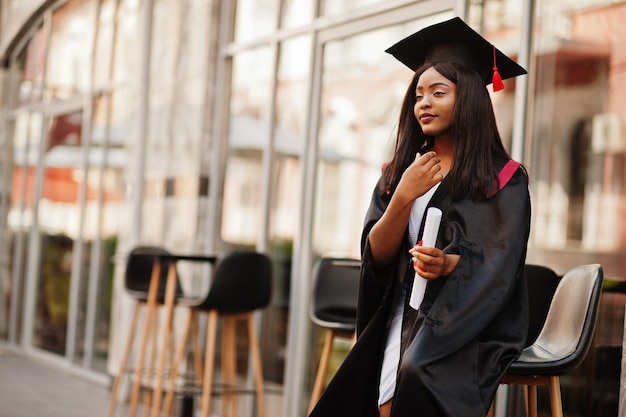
{"x":444,"y":148}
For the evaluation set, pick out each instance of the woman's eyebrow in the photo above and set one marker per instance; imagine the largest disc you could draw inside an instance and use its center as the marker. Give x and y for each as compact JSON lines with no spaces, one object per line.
{"x":439,"y":83}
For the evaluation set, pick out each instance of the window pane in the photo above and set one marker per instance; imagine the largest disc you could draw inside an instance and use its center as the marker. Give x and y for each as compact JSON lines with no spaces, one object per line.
{"x":68,"y":70}
{"x":255,"y":18}
{"x":30,"y":66}
{"x":26,"y":138}
{"x":285,"y":192}
{"x":362,"y":89}
{"x":247,"y":137}
{"x":104,"y":42}
{"x":297,"y":13}
{"x":57,"y":214}
{"x":579,"y":105}
{"x":292,"y":89}
{"x":339,"y":7}
{"x":574,"y":152}
{"x":126,"y":40}
{"x":250,"y":98}
{"x":104,"y":195}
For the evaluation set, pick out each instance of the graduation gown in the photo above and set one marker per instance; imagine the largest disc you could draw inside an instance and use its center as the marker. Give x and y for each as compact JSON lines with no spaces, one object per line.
{"x":471,"y":324}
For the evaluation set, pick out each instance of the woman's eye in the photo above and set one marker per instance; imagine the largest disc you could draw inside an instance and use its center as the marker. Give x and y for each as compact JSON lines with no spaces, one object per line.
{"x":418,"y":98}
{"x":439,"y":93}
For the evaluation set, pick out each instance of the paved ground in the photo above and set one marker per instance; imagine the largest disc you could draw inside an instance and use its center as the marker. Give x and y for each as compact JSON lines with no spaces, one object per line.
{"x":32,"y":388}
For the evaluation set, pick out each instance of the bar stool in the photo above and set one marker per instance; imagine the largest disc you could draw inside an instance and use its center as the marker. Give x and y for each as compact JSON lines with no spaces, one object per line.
{"x":564,"y":339}
{"x":140,"y":272}
{"x":333,"y":307}
{"x":241,"y":284}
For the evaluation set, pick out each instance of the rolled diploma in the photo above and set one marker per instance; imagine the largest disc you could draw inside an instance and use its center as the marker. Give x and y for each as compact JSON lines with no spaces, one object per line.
{"x":429,"y":239}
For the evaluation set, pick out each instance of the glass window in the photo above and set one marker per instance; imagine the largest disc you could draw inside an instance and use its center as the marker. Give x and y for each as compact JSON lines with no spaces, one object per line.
{"x":577,"y":151}
{"x":362,"y":89}
{"x":292,"y":89}
{"x":30,"y":66}
{"x":574,"y":153}
{"x":339,"y":7}
{"x":286,"y":189}
{"x":580,"y":170}
{"x":58,"y":220}
{"x":296,"y":13}
{"x":71,"y":44}
{"x":104,"y":42}
{"x":248,"y":136}
{"x":179,"y":83}
{"x":255,"y":18}
{"x":104,"y":195}
{"x":26,"y":139}
{"x":49,"y":173}
{"x":125,"y":61}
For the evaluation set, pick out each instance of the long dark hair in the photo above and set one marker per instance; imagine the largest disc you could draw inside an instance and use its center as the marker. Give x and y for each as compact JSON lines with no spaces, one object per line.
{"x":478,"y":148}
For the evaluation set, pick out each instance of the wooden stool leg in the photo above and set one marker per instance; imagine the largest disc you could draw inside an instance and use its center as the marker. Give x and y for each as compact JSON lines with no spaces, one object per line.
{"x":170,"y":294}
{"x":532,"y":401}
{"x":209,"y":362}
{"x":150,"y":318}
{"x":318,"y":387}
{"x":124,"y":360}
{"x":490,"y":412}
{"x":149,"y":371}
{"x":228,"y":366}
{"x":554,"y":386}
{"x":169,"y":397}
{"x":258,"y":367}
{"x":197,"y":356}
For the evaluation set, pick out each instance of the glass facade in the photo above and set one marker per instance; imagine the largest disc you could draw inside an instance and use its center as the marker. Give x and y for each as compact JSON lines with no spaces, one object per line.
{"x":576,"y":145}
{"x":206,"y":126}
{"x":65,"y":131}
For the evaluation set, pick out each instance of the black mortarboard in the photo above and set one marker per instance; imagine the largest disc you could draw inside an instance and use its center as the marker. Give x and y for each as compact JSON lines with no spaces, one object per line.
{"x":454,"y":41}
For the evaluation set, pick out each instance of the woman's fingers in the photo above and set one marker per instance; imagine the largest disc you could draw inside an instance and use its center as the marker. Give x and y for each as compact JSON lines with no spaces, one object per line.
{"x":428,"y":262}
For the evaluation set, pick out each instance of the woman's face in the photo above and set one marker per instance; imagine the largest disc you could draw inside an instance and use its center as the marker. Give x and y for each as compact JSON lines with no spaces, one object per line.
{"x":435,"y":96}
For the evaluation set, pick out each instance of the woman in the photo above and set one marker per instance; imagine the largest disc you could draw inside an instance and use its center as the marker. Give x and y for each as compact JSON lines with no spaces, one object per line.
{"x":447,"y":357}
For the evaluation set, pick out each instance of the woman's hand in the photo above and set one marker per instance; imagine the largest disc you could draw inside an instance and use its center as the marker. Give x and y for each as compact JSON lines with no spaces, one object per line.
{"x":431,"y":263}
{"x":423,"y":173}
{"x":388,"y":234}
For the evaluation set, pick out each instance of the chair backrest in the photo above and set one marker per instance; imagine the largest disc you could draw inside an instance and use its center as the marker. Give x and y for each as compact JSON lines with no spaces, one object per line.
{"x":139,"y":271}
{"x":566,"y":335}
{"x":241,"y":283}
{"x":541,"y":282}
{"x":335,"y":293}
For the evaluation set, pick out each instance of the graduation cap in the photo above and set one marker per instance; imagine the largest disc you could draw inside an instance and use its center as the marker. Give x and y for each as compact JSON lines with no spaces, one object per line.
{"x":454,"y":41}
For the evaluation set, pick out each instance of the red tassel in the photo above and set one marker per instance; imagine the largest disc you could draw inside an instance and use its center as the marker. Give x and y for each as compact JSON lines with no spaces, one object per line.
{"x":496,"y":79}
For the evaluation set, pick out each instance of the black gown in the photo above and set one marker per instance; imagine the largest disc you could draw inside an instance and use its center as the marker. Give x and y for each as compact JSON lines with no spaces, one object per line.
{"x":470,"y":326}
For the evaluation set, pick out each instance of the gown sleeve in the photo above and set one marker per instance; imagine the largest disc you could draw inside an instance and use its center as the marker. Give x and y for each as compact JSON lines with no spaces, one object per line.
{"x":375,"y":280}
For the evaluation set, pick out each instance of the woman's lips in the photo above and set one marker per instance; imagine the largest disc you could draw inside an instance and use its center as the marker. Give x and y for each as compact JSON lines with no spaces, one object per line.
{"x":426,"y":117}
